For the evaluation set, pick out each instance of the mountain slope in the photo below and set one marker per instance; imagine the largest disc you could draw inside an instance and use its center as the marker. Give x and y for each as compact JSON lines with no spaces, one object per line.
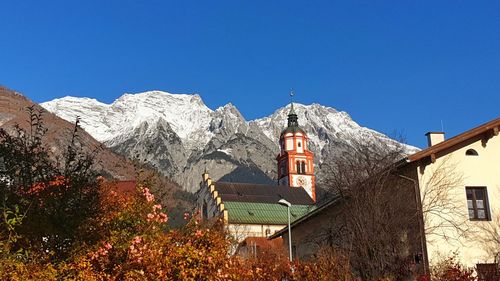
{"x":182,"y":137}
{"x":13,"y":111}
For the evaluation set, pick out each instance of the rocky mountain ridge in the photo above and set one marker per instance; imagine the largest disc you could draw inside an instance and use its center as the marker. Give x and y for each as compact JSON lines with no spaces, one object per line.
{"x":182,"y":137}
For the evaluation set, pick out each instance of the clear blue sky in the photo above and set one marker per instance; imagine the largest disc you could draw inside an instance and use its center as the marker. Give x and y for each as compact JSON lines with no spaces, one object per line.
{"x":393,"y":65}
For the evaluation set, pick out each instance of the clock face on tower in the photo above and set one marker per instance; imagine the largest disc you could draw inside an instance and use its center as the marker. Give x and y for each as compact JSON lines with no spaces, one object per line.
{"x":304,"y":182}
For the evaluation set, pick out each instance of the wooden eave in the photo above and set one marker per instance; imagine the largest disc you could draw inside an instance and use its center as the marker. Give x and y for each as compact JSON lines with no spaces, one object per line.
{"x":489,"y":129}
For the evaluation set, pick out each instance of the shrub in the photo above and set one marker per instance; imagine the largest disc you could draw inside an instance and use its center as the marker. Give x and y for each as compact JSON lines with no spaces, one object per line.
{"x":450,"y":269}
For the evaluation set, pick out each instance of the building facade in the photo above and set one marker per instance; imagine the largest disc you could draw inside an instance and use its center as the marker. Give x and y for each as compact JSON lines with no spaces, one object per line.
{"x":459,"y":183}
{"x":252,"y":210}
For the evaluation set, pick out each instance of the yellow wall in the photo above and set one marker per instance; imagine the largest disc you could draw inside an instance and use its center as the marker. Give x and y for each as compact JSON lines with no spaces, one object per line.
{"x":241,"y":231}
{"x":462,"y":171}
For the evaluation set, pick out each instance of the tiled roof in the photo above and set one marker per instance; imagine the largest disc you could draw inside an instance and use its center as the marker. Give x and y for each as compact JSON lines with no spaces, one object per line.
{"x":127,"y":187}
{"x":490,"y":128}
{"x":259,"y":193}
{"x":263,"y":213}
{"x":313,"y":212}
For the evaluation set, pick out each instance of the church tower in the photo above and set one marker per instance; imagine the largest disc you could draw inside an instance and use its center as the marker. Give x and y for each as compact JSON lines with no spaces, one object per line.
{"x":295,"y":160}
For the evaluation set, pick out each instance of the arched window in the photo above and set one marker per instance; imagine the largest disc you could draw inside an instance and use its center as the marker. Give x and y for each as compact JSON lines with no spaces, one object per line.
{"x":298,"y":166}
{"x":471,"y":152}
{"x":303,"y":167}
{"x":299,"y":144}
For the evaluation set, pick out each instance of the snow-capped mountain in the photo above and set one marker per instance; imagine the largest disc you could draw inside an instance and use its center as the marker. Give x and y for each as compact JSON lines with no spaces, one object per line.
{"x":186,"y":114}
{"x":181,"y":136}
{"x":325,"y":126}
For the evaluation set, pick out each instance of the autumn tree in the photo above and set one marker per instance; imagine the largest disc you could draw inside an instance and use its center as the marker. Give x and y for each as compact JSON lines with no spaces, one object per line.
{"x":51,"y":198}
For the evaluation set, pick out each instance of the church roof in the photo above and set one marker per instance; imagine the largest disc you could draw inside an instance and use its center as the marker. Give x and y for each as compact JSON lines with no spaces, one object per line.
{"x":260,"y":193}
{"x":264,"y":213}
{"x":293,"y":129}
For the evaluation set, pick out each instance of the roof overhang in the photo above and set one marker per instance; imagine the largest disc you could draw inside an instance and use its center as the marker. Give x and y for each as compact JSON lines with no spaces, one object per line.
{"x":308,"y":216}
{"x":488,"y":129}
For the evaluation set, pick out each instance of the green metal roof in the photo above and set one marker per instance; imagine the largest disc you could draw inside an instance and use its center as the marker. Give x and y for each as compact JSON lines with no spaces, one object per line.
{"x":263,"y":213}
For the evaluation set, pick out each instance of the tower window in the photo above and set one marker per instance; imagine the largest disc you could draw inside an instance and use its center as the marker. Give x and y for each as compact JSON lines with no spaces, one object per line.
{"x":301,"y":167}
{"x":299,"y":144}
{"x":471,"y":152}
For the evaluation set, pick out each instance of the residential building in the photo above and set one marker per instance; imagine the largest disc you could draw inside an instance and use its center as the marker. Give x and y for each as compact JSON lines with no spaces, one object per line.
{"x":459,"y":183}
{"x":454,"y":185}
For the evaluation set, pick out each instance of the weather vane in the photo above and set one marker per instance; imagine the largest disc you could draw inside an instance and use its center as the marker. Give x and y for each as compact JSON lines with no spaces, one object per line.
{"x":291,"y":95}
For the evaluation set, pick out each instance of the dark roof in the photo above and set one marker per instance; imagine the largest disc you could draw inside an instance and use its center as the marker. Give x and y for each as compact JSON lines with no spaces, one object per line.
{"x":126,"y":187}
{"x":293,"y":129}
{"x":260,"y":193}
{"x":331,"y":202}
{"x":491,"y":127}
{"x":293,"y":123}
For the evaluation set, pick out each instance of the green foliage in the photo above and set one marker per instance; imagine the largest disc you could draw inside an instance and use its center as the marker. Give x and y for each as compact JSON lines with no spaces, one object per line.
{"x":55,"y":198}
{"x":11,"y":219}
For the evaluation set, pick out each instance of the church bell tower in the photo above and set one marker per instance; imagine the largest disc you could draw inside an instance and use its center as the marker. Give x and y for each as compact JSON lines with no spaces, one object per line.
{"x":295,"y":160}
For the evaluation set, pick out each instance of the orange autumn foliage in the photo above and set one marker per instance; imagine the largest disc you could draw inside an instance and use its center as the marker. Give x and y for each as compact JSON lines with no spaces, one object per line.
{"x":134,"y":244}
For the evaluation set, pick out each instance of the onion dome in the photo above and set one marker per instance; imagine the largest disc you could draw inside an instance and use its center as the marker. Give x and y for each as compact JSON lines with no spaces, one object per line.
{"x":293,"y":123}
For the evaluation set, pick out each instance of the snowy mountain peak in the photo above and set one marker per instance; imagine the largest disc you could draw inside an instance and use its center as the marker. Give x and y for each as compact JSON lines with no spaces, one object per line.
{"x":321,"y":122}
{"x":231,"y":110}
{"x":186,"y":114}
{"x":181,"y":136}
{"x":162,"y":97}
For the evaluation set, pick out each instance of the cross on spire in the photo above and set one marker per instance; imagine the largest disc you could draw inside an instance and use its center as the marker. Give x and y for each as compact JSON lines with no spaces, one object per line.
{"x":292,"y":116}
{"x":292,"y":110}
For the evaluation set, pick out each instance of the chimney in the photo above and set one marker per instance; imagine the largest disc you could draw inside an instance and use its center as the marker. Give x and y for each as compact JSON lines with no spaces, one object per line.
{"x":434,"y":138}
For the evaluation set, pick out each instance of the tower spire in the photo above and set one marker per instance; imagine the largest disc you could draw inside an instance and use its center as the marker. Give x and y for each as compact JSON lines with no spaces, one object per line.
{"x":295,"y":160}
{"x":292,"y":111}
{"x":292,"y":116}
